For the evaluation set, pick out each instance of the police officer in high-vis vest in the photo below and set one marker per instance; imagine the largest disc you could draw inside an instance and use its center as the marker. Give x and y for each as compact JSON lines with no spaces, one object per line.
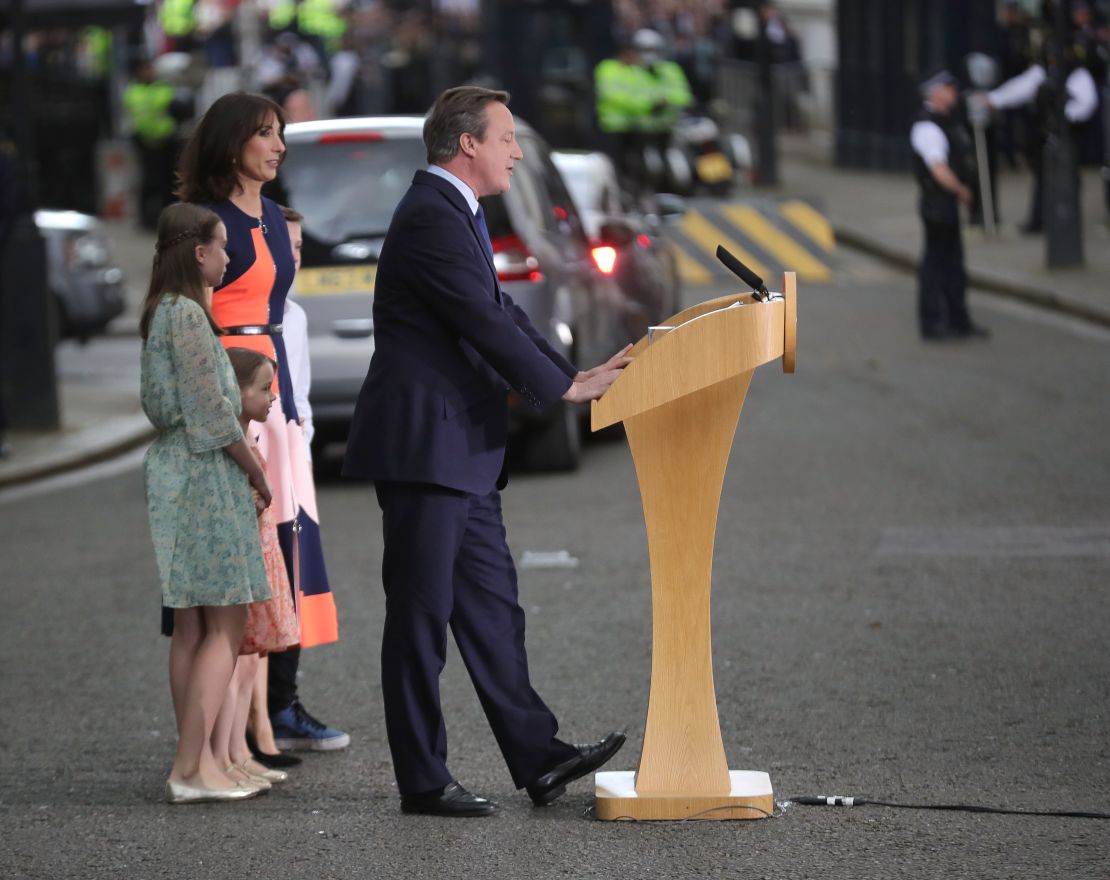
{"x":319,"y":22}
{"x":943,"y":161}
{"x":624,"y":96}
{"x":178,"y":19}
{"x":640,"y":96}
{"x":150,"y":108}
{"x":670,"y":88}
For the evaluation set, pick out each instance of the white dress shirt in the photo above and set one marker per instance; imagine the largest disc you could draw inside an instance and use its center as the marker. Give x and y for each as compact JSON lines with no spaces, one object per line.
{"x":295,"y":334}
{"x":928,"y":141}
{"x":467,"y":192}
{"x":1022,"y":89}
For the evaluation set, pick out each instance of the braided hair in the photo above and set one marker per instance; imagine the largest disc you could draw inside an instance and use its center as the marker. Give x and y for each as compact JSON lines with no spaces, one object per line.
{"x":175,"y":270}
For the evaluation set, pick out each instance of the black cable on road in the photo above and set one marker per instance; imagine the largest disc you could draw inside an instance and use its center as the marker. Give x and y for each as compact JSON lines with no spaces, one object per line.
{"x":841,"y":801}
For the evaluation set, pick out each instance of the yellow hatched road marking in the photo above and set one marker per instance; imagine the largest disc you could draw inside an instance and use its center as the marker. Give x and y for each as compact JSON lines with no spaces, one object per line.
{"x":690,"y":269}
{"x":791,"y":254}
{"x":811,"y":222}
{"x":707,"y":237}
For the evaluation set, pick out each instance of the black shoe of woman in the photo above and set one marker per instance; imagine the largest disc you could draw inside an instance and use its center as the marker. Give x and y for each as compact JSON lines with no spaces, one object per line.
{"x":274,"y":762}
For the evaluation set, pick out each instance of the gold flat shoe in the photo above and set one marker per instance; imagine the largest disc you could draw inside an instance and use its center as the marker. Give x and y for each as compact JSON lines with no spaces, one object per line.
{"x":268,"y":773}
{"x":275,"y":775}
{"x":251,"y":781}
{"x":176,"y":793}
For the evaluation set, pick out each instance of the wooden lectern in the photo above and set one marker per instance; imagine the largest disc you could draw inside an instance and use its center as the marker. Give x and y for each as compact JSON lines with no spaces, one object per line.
{"x":680,"y":401}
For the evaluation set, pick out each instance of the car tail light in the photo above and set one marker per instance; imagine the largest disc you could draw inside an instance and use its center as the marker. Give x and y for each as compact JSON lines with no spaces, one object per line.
{"x":605,"y":258}
{"x":513,"y":261}
{"x":351,"y":137}
{"x":643,"y":240}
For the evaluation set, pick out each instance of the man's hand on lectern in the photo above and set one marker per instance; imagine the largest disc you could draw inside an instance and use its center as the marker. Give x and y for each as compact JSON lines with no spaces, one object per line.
{"x":591,"y":384}
{"x":617,"y":362}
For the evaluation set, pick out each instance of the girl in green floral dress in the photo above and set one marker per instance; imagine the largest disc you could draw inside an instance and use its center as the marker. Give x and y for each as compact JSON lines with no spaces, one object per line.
{"x":199,"y":472}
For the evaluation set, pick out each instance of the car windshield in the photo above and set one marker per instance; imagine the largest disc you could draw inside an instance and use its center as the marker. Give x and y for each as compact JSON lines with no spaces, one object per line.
{"x":347,"y":190}
{"x":585,"y":188}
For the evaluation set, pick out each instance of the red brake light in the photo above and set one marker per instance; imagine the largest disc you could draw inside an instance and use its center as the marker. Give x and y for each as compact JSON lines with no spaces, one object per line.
{"x":605,"y":258}
{"x":351,"y":137}
{"x":643,"y":240}
{"x":513,"y":260}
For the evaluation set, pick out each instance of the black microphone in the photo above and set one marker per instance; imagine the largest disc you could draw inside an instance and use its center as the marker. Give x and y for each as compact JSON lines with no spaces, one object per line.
{"x":744,"y":274}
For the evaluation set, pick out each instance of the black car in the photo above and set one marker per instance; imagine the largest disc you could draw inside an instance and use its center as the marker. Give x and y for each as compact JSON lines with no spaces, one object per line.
{"x":347,"y":175}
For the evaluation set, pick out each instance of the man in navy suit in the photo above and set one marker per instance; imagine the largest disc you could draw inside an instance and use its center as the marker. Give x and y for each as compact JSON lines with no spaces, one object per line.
{"x":430,"y":429}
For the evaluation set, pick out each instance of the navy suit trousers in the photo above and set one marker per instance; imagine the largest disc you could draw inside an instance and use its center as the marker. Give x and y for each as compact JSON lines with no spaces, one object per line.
{"x":447,"y":563}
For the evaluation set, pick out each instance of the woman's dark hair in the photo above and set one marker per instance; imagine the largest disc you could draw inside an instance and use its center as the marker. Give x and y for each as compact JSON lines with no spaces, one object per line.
{"x":246,"y":363}
{"x":457,"y":111}
{"x":208,"y":168}
{"x":181,"y":228}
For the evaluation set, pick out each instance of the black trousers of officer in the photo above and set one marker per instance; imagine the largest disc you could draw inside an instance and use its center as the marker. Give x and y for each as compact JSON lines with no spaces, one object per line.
{"x":942,"y":281}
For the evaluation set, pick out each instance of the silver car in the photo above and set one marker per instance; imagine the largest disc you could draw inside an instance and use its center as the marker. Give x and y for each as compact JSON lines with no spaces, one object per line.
{"x":347,"y":175}
{"x":86,"y":285}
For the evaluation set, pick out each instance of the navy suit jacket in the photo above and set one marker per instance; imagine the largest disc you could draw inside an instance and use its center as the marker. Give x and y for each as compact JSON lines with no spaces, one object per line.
{"x":449,"y":344}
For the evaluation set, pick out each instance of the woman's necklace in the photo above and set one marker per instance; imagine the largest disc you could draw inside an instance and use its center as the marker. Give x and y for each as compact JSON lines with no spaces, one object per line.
{"x":261,"y":218}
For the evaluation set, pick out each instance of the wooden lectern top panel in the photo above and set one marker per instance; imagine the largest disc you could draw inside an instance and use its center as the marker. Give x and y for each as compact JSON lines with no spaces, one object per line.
{"x":709,"y":343}
{"x":695,"y":311}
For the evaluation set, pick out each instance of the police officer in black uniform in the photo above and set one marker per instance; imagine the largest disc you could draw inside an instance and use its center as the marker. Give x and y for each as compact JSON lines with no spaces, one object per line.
{"x":1034,"y":88}
{"x":1089,"y":48}
{"x":944,"y":164}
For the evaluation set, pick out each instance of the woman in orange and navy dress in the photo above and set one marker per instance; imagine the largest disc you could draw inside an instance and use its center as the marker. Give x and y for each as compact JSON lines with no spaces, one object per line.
{"x":235,"y":149}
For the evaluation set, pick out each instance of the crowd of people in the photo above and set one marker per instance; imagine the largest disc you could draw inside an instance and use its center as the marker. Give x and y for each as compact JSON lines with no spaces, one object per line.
{"x":322,"y":58}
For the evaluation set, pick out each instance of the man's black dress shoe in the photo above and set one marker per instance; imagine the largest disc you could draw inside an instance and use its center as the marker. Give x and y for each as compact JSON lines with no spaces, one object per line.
{"x":554,"y":782}
{"x":453,"y":800}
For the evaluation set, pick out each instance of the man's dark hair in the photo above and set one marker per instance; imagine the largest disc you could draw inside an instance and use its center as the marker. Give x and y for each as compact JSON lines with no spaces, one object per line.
{"x":457,"y":111}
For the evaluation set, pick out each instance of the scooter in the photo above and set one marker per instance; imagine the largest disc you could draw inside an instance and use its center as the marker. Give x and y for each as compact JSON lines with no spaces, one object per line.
{"x":710,"y":160}
{"x":696,"y":157}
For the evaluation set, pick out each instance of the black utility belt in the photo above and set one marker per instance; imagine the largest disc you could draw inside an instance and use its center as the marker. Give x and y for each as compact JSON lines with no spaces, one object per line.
{"x":254,"y":330}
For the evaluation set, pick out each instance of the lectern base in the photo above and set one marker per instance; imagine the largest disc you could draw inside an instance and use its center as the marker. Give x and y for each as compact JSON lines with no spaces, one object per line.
{"x":750,"y":798}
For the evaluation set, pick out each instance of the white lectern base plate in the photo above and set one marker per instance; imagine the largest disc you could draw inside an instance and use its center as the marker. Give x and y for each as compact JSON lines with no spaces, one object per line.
{"x":750,"y":798}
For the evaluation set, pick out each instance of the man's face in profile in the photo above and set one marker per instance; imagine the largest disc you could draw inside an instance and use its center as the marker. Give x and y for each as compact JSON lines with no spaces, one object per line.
{"x":494,"y":156}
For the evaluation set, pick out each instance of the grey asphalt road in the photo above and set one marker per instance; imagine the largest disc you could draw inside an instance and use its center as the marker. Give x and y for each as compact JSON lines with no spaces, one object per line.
{"x":910,"y":604}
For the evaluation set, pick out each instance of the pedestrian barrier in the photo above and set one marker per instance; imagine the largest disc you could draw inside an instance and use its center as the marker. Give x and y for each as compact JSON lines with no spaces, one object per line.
{"x":765,"y":234}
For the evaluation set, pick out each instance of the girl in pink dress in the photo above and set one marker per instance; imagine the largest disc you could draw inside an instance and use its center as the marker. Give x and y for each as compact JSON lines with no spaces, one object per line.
{"x":271,"y":625}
